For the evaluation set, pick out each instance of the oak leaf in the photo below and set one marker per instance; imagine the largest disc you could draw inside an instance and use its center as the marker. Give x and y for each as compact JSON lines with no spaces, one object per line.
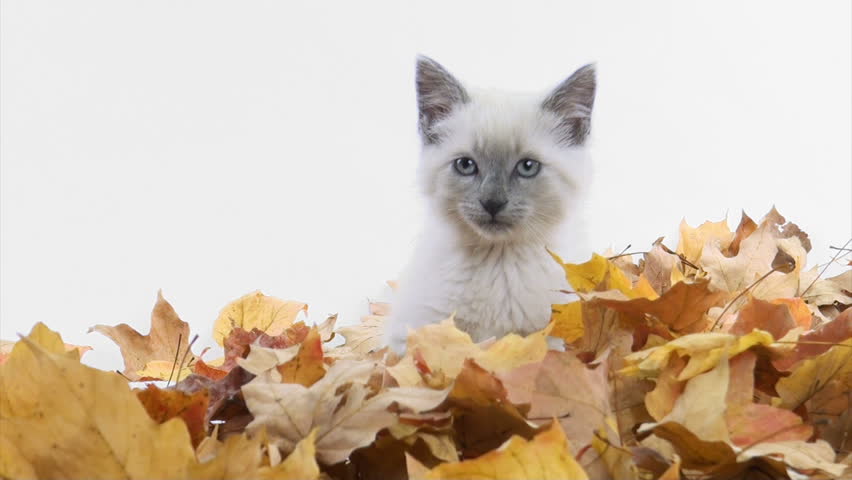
{"x":161,"y":343}
{"x":256,"y":310}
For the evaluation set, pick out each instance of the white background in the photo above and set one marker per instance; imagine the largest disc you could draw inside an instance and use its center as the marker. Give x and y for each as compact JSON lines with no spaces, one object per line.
{"x":212,"y":148}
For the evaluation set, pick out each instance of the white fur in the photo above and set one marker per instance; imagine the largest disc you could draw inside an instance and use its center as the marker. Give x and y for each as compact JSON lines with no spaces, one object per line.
{"x":494,"y":286}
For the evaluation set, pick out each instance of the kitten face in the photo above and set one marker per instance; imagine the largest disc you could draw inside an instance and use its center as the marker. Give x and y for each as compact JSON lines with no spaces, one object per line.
{"x":502,"y":167}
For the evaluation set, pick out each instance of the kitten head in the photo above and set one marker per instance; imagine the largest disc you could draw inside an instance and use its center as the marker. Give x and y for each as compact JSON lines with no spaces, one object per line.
{"x":499,"y":166}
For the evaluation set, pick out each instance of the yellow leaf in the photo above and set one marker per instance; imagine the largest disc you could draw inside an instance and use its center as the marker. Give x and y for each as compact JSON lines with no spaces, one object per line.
{"x":701,"y":407}
{"x":301,"y":464}
{"x":257,"y":310}
{"x":161,"y":369}
{"x":80,"y":422}
{"x":596,"y":274}
{"x":307,"y":366}
{"x":704,"y":351}
{"x":831,"y":370}
{"x":546,"y":456}
{"x":644,"y":289}
{"x":567,"y":321}
{"x":692,"y":240}
{"x":443,"y":348}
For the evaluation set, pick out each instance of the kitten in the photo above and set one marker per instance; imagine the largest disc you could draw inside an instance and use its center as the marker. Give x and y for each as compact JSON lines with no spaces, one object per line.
{"x":503,"y":176}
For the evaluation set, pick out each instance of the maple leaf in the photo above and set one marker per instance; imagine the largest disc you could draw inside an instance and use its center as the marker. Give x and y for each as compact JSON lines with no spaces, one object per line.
{"x":6,"y":347}
{"x":749,"y":422}
{"x":693,"y":240}
{"x":256,"y":310}
{"x":443,"y":348}
{"x":753,"y":260}
{"x":339,"y":406}
{"x":681,"y":308}
{"x":818,"y":340}
{"x":239,"y":342}
{"x":483,"y":414}
{"x":547,"y":456}
{"x":704,"y":351}
{"x":561,"y":386}
{"x":659,"y":266}
{"x":161,"y":343}
{"x":759,"y":314}
{"x":567,"y":321}
{"x":367,"y":335}
{"x":596,"y":274}
{"x":242,"y":457}
{"x":307,"y":366}
{"x":829,"y":374}
{"x":72,"y":421}
{"x":163,"y":405}
{"x":744,"y":229}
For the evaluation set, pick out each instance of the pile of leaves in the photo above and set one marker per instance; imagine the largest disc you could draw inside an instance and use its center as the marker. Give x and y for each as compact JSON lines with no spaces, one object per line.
{"x":723,"y":358}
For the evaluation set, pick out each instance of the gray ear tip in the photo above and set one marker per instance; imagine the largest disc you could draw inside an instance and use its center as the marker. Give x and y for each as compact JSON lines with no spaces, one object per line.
{"x":587,"y":71}
{"x":426,"y":63}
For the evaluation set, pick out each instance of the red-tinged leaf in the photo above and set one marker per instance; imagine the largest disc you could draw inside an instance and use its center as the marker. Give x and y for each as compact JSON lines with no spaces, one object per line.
{"x":163,"y":405}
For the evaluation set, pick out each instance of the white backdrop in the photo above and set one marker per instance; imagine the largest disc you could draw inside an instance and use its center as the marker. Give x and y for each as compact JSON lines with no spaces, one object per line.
{"x":211,"y":148}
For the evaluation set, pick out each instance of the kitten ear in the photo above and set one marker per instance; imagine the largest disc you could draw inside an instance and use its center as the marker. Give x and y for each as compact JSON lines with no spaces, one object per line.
{"x":572,"y":102}
{"x":437,"y":93}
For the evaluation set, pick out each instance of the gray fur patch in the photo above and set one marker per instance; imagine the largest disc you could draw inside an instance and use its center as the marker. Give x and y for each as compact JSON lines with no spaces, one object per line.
{"x":437,"y":93}
{"x":572,"y":102}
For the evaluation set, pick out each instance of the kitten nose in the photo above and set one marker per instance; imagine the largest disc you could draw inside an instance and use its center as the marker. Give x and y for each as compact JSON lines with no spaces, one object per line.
{"x":493,"y":206}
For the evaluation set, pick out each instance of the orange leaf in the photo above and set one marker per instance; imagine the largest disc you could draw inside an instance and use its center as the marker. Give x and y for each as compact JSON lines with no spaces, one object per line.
{"x":307,"y":366}
{"x":681,"y":308}
{"x":163,"y":405}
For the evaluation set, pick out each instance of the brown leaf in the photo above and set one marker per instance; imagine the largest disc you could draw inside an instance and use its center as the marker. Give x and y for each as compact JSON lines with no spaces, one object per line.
{"x":744,"y":229}
{"x":773,"y":318}
{"x":338,"y":406}
{"x":563,"y":387}
{"x":483,"y":414}
{"x":161,"y":343}
{"x":818,"y":340}
{"x":659,"y":265}
{"x":681,"y":308}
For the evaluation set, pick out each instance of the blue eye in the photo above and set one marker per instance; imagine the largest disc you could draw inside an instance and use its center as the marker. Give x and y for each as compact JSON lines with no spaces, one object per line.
{"x":528,"y":168}
{"x":465,"y":166}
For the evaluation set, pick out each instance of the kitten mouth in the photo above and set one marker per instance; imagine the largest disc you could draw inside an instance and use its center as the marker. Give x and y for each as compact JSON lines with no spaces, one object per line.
{"x":493,"y":226}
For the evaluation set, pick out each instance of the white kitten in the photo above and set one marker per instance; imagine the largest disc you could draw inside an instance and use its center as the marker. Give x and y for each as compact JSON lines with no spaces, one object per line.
{"x":503,"y":175}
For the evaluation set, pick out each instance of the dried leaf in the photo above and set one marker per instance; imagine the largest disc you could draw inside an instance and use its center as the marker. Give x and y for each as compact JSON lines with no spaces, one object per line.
{"x":547,"y":456}
{"x":161,"y":343}
{"x":94,"y":425}
{"x":338,"y":406}
{"x":256,"y":310}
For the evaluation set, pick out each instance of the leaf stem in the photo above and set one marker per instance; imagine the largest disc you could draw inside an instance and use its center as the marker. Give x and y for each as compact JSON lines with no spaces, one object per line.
{"x":174,"y":362}
{"x":719,"y":319}
{"x":826,"y":266}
